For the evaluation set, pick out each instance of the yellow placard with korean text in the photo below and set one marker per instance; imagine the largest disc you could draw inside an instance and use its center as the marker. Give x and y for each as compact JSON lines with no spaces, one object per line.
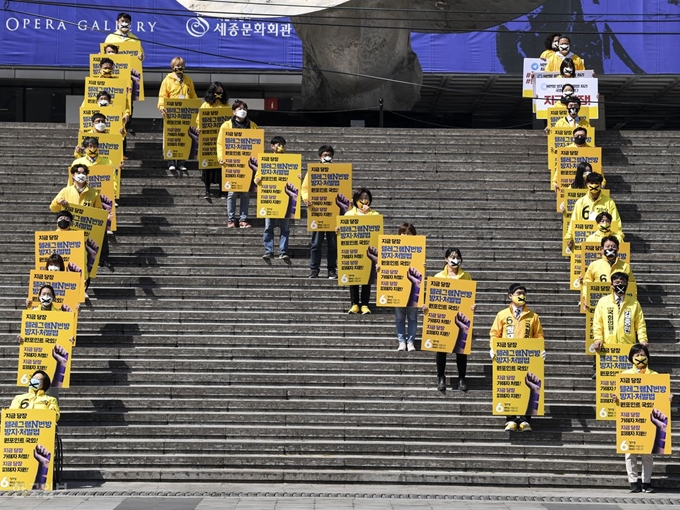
{"x":47,"y":345}
{"x":278,"y":192}
{"x":580,"y":231}
{"x":563,"y":137}
{"x":93,"y":224}
{"x":67,"y":287}
{"x":28,"y":449}
{"x":401,"y":277}
{"x":449,"y":321}
{"x":568,"y":159}
{"x":594,"y":292}
{"x":239,"y":146}
{"x":588,"y":253}
{"x":643,"y":416}
{"x":131,"y":48}
{"x":555,"y":113}
{"x":358,"y":248}
{"x":611,"y":360}
{"x":209,"y":122}
{"x":118,"y":88}
{"x":518,"y":377}
{"x":70,"y":244}
{"x":330,"y":194}
{"x":180,"y":138}
{"x":102,"y":178}
{"x":126,"y":65}
{"x":114,"y":118}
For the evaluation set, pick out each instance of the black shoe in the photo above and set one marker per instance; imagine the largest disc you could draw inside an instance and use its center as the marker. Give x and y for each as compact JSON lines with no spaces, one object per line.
{"x":647,"y":487}
{"x":461,"y":385}
{"x":108,"y":265}
{"x":332,"y":274}
{"x":634,"y":487}
{"x":442,"y":384}
{"x":314,"y":274}
{"x":594,"y":376}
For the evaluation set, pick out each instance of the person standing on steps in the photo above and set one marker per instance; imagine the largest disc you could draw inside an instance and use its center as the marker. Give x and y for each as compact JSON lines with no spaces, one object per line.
{"x":215,"y":97}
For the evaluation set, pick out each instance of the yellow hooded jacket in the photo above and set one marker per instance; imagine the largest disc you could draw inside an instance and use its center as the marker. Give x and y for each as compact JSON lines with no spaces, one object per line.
{"x":89,"y":197}
{"x":555,"y":62}
{"x":227,"y":126}
{"x":505,"y":325}
{"x":586,"y":208}
{"x":35,"y":400}
{"x":601,"y":271}
{"x":461,"y":275}
{"x":614,"y":326}
{"x":172,"y":88}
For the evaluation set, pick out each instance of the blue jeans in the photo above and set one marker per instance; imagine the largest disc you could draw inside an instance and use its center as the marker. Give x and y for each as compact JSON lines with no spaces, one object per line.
{"x":244,"y":198}
{"x":268,"y":236}
{"x":315,"y":251}
{"x":401,"y":314}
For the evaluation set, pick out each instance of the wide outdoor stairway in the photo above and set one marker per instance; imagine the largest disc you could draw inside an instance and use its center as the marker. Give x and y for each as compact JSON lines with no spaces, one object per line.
{"x":198,"y":361}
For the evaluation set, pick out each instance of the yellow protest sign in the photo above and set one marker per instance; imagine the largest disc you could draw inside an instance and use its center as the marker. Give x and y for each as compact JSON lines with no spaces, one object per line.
{"x":118,"y":88}
{"x":237,"y":147}
{"x":643,"y":416}
{"x":278,"y":193}
{"x":70,"y":244}
{"x":580,"y":231}
{"x":125,"y":65}
{"x":28,"y":449}
{"x":358,"y":248}
{"x":330,"y":194}
{"x":114,"y":117}
{"x":102,"y":178}
{"x":180,"y":139}
{"x":585,"y":254}
{"x":449,"y":320}
{"x":568,"y":159}
{"x":563,"y":137}
{"x":611,"y":360}
{"x":401,"y":277}
{"x":518,"y":380}
{"x":209,"y":121}
{"x":47,"y":344}
{"x":594,"y":292}
{"x":555,"y":113}
{"x":93,"y":224}
{"x":66,"y":285}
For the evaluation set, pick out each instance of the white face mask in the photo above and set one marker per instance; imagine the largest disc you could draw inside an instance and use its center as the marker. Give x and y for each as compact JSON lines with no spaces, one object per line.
{"x":100,"y":126}
{"x":564,"y":47}
{"x":46,"y":299}
{"x":80,"y":178}
{"x":103,"y":102}
{"x":53,"y":268}
{"x":124,"y":26}
{"x":241,"y":114}
{"x":327,"y":159}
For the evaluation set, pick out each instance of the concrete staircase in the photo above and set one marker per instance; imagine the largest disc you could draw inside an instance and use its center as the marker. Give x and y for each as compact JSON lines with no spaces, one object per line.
{"x":197,"y":361}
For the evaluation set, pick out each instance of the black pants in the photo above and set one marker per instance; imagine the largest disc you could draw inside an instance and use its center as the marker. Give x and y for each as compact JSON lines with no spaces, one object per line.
{"x":104,"y":256}
{"x":365,"y":294}
{"x":461,"y":363}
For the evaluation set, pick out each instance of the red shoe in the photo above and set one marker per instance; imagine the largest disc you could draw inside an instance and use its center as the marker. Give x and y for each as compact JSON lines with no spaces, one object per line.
{"x":231,"y":224}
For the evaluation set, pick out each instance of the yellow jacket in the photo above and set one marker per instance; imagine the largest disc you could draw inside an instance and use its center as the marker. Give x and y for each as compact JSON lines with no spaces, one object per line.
{"x":461,"y":275}
{"x":216,"y":105}
{"x":356,"y":212}
{"x":227,"y":126}
{"x":597,"y":236}
{"x":36,"y":400}
{"x":118,"y":38}
{"x":79,"y":152}
{"x":172,"y":88}
{"x":586,"y":208}
{"x":637,"y":371}
{"x":89,"y":197}
{"x":547,"y":54}
{"x":507,"y":326}
{"x":564,"y":123}
{"x":601,"y":271}
{"x":555,"y":62}
{"x":614,"y":326}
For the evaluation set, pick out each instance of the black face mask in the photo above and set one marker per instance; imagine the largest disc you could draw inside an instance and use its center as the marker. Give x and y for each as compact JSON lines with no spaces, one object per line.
{"x":63,"y":224}
{"x":579,"y":140}
{"x":610,"y":253}
{"x":620,"y":288}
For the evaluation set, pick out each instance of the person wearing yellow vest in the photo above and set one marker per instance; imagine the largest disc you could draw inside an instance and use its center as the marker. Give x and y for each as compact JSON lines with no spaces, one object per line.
{"x":453,"y":270}
{"x":215,"y":97}
{"x":552,"y":44}
{"x":518,"y":321}
{"x":362,"y":200}
{"x":590,"y":205}
{"x":563,"y":52}
{"x":618,"y":318}
{"x":123,"y":34}
{"x":639,"y":357}
{"x":602,"y":269}
{"x":176,"y":85}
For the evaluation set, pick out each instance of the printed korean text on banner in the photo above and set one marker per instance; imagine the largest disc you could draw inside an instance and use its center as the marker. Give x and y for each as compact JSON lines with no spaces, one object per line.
{"x":518,"y":379}
{"x":70,"y":244}
{"x":66,"y":285}
{"x":330,"y":194}
{"x":643,"y":416}
{"x":93,"y":224}
{"x":239,"y":145}
{"x":568,"y":160}
{"x":563,"y":137}
{"x":114,"y":117}
{"x":611,"y":360}
{"x":594,"y":292}
{"x":102,"y":178}
{"x":28,"y":449}
{"x":118,"y":89}
{"x":584,"y":254}
{"x":358,"y":248}
{"x":449,"y":321}
{"x":209,"y":121}
{"x":278,"y":193}
{"x":126,"y":63}
{"x":47,"y":345}
{"x":548,"y":92}
{"x":180,"y":139}
{"x":401,"y":279}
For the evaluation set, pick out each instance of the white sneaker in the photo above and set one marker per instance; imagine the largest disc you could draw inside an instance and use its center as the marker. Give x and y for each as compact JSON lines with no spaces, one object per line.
{"x":182,"y":168}
{"x":411,"y":347}
{"x":172,"y":168}
{"x":402,"y":346}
